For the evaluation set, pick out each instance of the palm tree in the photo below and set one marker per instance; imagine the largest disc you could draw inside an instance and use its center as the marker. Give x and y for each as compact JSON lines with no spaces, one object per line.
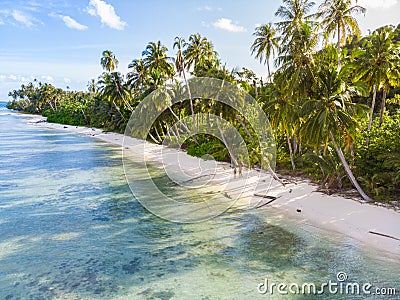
{"x":338,"y":20}
{"x":200,"y":53}
{"x":282,"y":111}
{"x":293,"y":13}
{"x":296,"y":59}
{"x":265,"y":44}
{"x":377,"y":62}
{"x":331,"y":115}
{"x":138,"y":76}
{"x":156,"y":58}
{"x":181,"y":67}
{"x":112,"y":87}
{"x":109,"y":61}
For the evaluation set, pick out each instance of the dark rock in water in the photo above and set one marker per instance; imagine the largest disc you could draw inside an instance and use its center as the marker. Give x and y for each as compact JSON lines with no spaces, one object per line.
{"x":65,"y":126}
{"x":43,"y":289}
{"x":8,"y":297}
{"x":298,"y":210}
{"x":75,"y":285}
{"x":133,"y":266}
{"x":146,"y":292}
{"x":99,"y":290}
{"x":103,"y":219}
{"x":165,"y":295}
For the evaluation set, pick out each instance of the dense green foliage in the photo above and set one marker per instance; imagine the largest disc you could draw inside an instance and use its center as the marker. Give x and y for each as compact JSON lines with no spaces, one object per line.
{"x":321,"y":102}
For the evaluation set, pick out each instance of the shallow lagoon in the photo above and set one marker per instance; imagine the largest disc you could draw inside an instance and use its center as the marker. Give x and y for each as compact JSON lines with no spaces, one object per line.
{"x":71,"y":229}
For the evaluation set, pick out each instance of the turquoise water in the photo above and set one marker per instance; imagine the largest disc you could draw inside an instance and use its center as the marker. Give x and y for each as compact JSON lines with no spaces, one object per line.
{"x":71,"y":229}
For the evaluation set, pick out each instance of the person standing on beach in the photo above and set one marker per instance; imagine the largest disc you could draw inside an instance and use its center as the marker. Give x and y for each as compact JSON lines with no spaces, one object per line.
{"x":240,"y":169}
{"x":234,"y":172}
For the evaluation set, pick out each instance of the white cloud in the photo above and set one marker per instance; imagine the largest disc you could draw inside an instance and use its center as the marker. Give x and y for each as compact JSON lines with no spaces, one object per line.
{"x":47,"y":78}
{"x":13,"y":77}
{"x":205,"y":7}
{"x":23,"y":18}
{"x":67,"y":80}
{"x":107,"y":14}
{"x":71,"y":23}
{"x":378,"y":3}
{"x":226,"y":24}
{"x":208,"y":8}
{"x":1,"y":22}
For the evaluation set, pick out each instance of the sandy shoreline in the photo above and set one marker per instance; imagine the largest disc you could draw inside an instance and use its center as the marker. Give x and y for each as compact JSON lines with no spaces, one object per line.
{"x":373,"y":226}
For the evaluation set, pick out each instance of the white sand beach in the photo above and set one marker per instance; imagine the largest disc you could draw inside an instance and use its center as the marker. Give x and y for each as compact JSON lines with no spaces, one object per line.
{"x":373,"y":226}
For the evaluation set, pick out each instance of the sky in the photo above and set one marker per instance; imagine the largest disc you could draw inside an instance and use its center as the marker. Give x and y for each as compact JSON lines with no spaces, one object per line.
{"x":61,"y":42}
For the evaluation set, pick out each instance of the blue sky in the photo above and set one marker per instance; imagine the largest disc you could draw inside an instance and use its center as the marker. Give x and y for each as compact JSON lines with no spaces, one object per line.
{"x":61,"y":41}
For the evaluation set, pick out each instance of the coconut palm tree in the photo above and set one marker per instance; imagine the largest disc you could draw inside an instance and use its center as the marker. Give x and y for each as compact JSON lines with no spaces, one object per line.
{"x":377,"y":62}
{"x":200,"y":53}
{"x":109,"y":61}
{"x":338,"y":20}
{"x":296,"y":58}
{"x":181,"y":68}
{"x":330,"y":116}
{"x":281,"y":110}
{"x":138,"y":75}
{"x":155,"y":58}
{"x":293,"y":14}
{"x":265,"y":44}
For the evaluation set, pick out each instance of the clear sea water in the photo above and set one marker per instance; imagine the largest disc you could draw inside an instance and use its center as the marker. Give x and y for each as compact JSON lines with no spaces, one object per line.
{"x":71,"y":229}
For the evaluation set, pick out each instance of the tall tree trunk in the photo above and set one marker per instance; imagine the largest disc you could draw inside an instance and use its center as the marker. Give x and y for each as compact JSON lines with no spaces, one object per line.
{"x":383,"y":106}
{"x":338,"y":45}
{"x":191,"y":102}
{"x":255,"y":88}
{"x":234,"y":159}
{"x":348,"y":170}
{"x":153,"y":138}
{"x":84,"y":116}
{"x":269,"y":72}
{"x":117,"y":108}
{"x":158,"y":134}
{"x":184,"y":125}
{"x":51,"y":105}
{"x":174,"y":134}
{"x":244,"y":125}
{"x":301,"y":155}
{"x":272,"y":172}
{"x":294,"y":144}
{"x":371,"y":114}
{"x":290,"y":151}
{"x":123,"y":99}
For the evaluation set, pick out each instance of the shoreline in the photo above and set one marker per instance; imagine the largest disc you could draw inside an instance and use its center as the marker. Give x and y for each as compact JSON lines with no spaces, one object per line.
{"x":373,"y":226}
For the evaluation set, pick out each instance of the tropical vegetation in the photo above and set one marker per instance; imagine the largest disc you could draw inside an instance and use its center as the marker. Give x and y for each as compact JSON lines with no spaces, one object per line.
{"x":320,"y":96}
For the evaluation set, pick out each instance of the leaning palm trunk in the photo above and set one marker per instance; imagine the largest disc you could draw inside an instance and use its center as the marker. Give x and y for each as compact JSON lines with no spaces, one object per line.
{"x":184,"y":125}
{"x":347,"y":168}
{"x":117,"y":108}
{"x":123,"y":99}
{"x":244,"y":125}
{"x":383,"y":105}
{"x":371,"y":114}
{"x":234,"y":159}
